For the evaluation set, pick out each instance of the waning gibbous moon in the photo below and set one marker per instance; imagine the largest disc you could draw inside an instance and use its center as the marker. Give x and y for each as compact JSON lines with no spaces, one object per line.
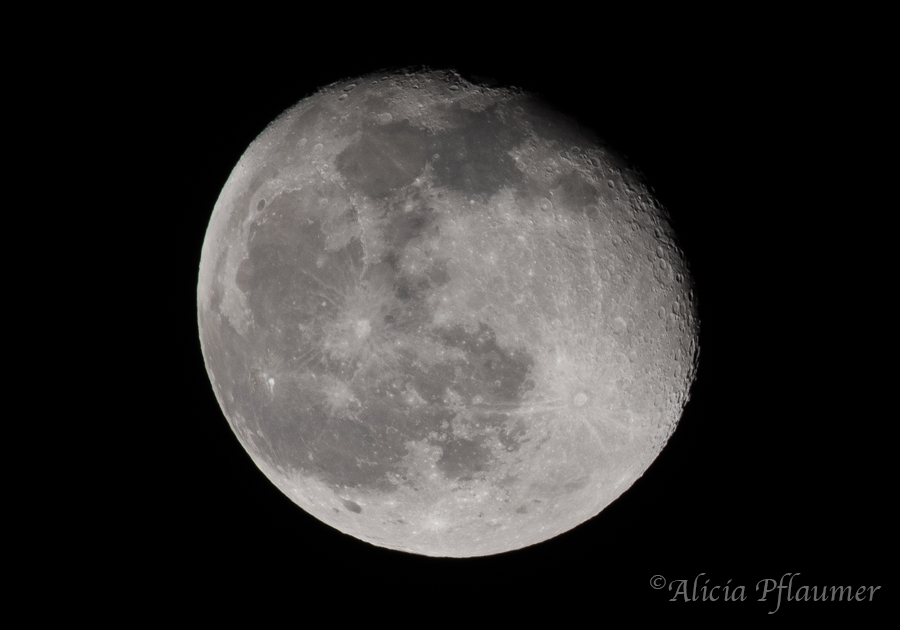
{"x":441,"y":317}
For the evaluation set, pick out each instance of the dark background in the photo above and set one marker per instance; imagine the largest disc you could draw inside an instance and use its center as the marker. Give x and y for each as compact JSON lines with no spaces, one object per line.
{"x":779,"y":462}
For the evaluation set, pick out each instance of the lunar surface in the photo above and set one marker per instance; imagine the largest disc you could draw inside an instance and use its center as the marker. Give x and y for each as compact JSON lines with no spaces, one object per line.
{"x":443,"y":318}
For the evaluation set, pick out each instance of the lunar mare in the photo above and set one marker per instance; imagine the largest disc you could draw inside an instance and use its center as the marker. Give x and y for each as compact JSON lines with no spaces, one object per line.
{"x":442,"y":317}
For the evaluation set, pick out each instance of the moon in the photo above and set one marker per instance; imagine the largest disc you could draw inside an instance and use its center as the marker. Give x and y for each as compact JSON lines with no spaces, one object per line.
{"x":441,"y":316}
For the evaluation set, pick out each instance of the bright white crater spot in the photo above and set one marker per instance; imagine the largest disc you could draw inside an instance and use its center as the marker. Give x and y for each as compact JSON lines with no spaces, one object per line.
{"x":363,"y":328}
